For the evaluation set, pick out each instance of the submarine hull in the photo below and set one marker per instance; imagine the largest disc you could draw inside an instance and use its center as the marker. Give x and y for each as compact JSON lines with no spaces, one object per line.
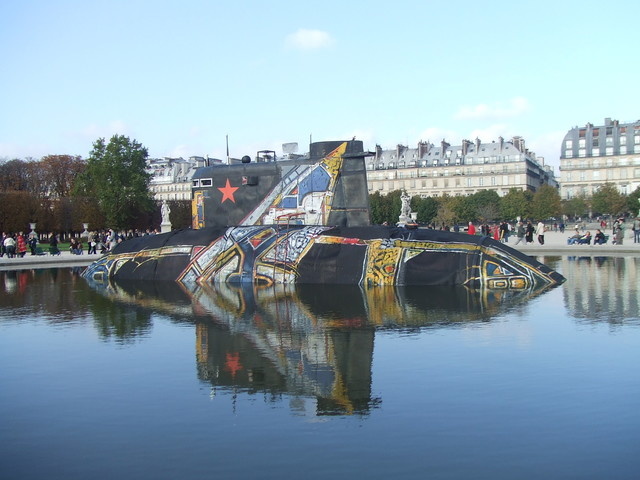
{"x":366,"y":256}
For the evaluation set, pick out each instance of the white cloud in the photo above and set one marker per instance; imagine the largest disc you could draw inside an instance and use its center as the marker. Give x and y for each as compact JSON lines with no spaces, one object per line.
{"x":305,"y":39}
{"x":512,"y":108}
{"x":547,"y":145}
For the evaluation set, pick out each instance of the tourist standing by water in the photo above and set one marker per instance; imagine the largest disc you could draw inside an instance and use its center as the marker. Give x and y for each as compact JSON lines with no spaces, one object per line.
{"x":504,"y":232}
{"x":529,"y":232}
{"x":10,"y":245}
{"x":619,"y":231}
{"x":33,"y":242}
{"x":636,"y":230}
{"x":53,"y":245}
{"x":21,"y":243}
{"x":520,"y":231}
{"x":540,"y":229}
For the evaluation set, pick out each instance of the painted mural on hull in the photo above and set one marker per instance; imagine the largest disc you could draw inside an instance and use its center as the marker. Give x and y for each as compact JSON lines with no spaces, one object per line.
{"x":307,"y":221}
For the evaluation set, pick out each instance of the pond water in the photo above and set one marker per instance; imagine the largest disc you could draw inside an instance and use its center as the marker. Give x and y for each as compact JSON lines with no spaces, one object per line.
{"x":162,"y":381}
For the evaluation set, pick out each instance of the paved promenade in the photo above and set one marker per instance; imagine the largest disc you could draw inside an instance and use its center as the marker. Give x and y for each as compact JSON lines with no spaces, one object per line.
{"x":555,"y":244}
{"x":65,"y":259}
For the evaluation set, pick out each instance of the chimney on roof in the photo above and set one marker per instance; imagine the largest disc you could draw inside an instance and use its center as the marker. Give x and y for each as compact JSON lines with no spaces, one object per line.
{"x":501,"y":141}
{"x":607,"y":121}
{"x":465,"y":146}
{"x":518,"y":142}
{"x":477,"y":144}
{"x":423,"y":149}
{"x":378,"y":151}
{"x":444,"y":145}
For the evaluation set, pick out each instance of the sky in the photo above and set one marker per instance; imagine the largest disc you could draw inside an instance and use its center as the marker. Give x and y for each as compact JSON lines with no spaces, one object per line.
{"x":181,"y":77}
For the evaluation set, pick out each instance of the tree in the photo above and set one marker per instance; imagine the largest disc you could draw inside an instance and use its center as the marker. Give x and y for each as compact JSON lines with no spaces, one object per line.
{"x":115,"y":178}
{"x":487,"y":205}
{"x":546,"y":203}
{"x":464,"y":208}
{"x":60,"y":172}
{"x":633,"y":202}
{"x":425,"y":208}
{"x":376,"y":205}
{"x":446,"y":215}
{"x":180,"y":213}
{"x":607,"y":200}
{"x":516,"y":203}
{"x":576,"y":206}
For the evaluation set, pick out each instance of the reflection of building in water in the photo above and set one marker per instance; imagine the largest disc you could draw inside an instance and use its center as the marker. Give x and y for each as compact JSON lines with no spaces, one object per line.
{"x":602,"y":288}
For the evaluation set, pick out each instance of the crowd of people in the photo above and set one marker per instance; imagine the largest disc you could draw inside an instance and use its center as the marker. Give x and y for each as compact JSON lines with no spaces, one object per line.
{"x":17,"y":244}
{"x":524,"y":232}
{"x":20,"y":244}
{"x":528,"y":232}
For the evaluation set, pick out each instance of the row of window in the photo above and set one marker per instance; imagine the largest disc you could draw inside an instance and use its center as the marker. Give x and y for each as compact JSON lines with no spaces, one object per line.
{"x":444,"y":162}
{"x":597,"y":163}
{"x":599,"y":151}
{"x":444,"y":173}
{"x":571,"y":192}
{"x":171,"y":187}
{"x":596,"y":175}
{"x":503,"y":181}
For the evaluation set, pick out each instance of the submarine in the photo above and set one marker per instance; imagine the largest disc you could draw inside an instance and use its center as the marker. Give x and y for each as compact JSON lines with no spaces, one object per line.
{"x":306,"y":220}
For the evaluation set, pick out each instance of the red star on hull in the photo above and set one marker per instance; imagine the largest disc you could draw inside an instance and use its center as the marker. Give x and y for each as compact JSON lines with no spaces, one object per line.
{"x":227,"y":192}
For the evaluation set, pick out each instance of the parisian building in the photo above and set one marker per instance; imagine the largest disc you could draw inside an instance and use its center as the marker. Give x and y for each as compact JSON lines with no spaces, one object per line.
{"x":171,"y":177}
{"x":596,"y":154}
{"x":434,"y":170}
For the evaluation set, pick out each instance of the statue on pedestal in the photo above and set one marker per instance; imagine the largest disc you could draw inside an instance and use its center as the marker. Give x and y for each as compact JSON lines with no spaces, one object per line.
{"x":405,"y":211}
{"x":165,"y":226}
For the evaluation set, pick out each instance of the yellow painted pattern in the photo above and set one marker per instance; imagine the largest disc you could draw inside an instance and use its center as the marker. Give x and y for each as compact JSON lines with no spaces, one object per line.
{"x":333,"y":164}
{"x":382,"y":264}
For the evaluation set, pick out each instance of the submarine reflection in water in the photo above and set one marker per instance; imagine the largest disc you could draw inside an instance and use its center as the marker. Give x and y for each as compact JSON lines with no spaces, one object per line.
{"x":306,"y":341}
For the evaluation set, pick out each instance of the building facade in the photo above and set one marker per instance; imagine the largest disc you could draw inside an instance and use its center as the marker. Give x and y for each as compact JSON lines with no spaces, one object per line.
{"x":430,"y":171}
{"x":596,"y":154}
{"x":171,"y":177}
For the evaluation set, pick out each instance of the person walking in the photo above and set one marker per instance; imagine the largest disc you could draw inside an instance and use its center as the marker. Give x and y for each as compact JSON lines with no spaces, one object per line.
{"x":619,"y":232}
{"x":472,"y":229}
{"x":540,"y":229}
{"x":636,"y":230}
{"x":529,"y":232}
{"x":519,"y":233}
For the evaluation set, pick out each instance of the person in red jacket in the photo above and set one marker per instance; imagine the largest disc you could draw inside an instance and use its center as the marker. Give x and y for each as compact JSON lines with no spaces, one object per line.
{"x":471,"y":230}
{"x":21,"y":244}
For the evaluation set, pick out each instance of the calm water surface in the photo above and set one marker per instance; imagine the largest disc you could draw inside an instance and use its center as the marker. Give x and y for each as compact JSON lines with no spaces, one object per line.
{"x":165,"y":382}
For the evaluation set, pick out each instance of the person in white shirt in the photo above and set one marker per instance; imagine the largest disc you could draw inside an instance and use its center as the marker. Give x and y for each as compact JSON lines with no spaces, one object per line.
{"x":540,"y":232}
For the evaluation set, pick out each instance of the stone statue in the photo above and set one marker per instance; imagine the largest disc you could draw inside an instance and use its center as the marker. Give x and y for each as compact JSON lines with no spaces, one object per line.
{"x":166,"y":211}
{"x":405,"y":211}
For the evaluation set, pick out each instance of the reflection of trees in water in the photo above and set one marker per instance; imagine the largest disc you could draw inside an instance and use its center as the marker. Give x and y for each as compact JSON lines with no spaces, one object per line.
{"x":602,"y":288}
{"x":61,"y":295}
{"x":56,"y":294}
{"x":125,"y":323}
